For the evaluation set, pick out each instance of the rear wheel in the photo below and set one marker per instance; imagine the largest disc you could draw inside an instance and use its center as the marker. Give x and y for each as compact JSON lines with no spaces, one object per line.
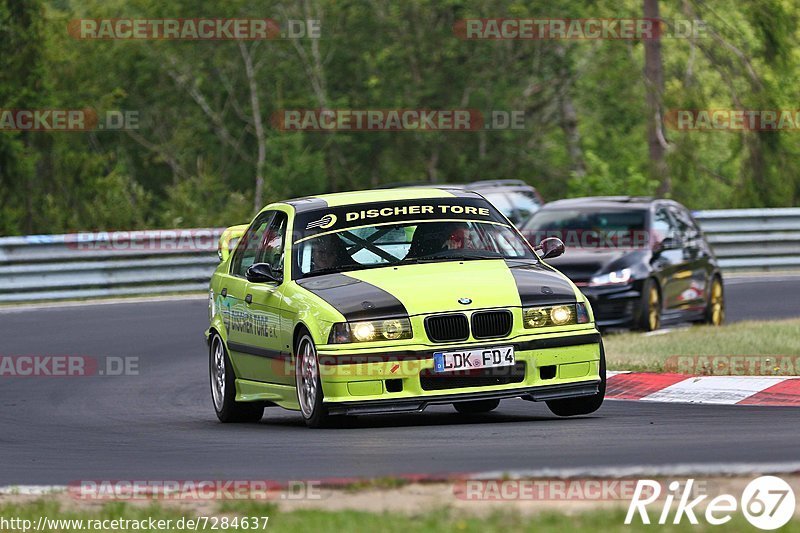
{"x":309,"y":385}
{"x":650,"y":307}
{"x":476,"y":406}
{"x":223,"y":387}
{"x":585,"y":404}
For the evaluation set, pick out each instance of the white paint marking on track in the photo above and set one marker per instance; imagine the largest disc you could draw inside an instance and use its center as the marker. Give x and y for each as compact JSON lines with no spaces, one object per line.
{"x":719,"y":390}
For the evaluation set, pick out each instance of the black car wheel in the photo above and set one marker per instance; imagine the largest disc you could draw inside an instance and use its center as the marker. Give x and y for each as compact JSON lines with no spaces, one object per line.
{"x":650,"y":307}
{"x":586,"y":404}
{"x":476,"y":406}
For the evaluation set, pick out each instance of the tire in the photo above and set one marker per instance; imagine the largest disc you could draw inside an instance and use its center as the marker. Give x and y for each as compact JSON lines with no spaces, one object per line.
{"x":223,"y":387}
{"x":476,"y":406}
{"x":586,"y":404}
{"x":649,"y":315}
{"x":715,"y":309}
{"x":308,"y":383}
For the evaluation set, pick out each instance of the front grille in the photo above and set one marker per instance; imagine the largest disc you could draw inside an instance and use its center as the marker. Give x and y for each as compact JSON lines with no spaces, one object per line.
{"x":447,"y":328}
{"x":489,"y":324}
{"x":610,"y":309}
{"x":486,"y":377}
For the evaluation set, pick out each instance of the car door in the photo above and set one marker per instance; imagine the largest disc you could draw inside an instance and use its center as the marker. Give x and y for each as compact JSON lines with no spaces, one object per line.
{"x":271,"y":333}
{"x":236,"y":310}
{"x":695,"y":259}
{"x":668,"y":260}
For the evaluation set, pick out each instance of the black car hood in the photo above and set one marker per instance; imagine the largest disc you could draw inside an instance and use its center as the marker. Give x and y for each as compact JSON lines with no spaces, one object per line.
{"x":440,"y":287}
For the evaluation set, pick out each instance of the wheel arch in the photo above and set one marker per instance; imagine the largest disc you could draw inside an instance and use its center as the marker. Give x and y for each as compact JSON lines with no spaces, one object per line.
{"x":299,"y":329}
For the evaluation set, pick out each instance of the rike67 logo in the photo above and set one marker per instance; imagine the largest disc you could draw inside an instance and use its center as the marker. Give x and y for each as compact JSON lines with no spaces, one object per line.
{"x":767,"y":502}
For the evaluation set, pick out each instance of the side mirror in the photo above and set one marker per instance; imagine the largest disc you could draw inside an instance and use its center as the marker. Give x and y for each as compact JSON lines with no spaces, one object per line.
{"x":550,"y":247}
{"x":228,"y":240}
{"x":263,"y":273}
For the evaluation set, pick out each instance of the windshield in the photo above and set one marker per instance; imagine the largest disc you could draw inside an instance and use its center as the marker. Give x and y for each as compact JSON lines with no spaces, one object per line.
{"x":397,"y":244}
{"x":589,"y":228}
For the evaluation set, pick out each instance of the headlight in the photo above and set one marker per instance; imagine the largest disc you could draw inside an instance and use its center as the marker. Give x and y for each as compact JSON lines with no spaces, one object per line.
{"x":391,"y":329}
{"x":559,"y":315}
{"x":613,"y":278}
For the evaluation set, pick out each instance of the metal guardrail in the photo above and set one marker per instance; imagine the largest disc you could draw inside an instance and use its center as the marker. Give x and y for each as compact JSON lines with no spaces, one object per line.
{"x":753,"y":239}
{"x":91,"y":265}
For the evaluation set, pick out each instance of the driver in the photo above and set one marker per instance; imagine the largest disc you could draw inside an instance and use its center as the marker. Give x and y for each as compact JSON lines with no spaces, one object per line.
{"x":329,"y":251}
{"x":434,"y":237}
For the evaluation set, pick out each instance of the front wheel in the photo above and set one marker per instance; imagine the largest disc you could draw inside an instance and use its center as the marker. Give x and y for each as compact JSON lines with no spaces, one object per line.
{"x":715,"y":308}
{"x":650,"y":307}
{"x":586,"y":404}
{"x":309,"y":385}
{"x":223,"y":387}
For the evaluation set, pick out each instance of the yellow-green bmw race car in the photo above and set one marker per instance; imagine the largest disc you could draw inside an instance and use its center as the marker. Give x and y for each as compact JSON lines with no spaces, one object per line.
{"x":389,"y":301}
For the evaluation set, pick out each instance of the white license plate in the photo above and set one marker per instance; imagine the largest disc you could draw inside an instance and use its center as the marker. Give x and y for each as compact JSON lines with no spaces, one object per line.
{"x":473,"y":359}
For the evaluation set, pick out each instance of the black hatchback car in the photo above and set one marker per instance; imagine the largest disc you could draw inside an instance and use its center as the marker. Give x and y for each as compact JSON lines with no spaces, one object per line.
{"x":641,"y":262}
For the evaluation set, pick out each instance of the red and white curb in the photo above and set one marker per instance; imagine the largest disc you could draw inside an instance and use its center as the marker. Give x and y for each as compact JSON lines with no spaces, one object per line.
{"x":720,"y":390}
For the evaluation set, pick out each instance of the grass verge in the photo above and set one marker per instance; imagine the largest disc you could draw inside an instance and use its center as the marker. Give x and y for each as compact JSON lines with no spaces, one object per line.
{"x":444,"y":519}
{"x":766,"y":340}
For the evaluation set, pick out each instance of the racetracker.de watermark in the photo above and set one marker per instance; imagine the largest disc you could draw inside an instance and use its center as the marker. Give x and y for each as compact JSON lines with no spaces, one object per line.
{"x":194,"y":490}
{"x":67,"y":120}
{"x":578,"y":29}
{"x":733,"y":119}
{"x":204,"y":239}
{"x":734,"y":365}
{"x":547,"y":489}
{"x":373,"y":120}
{"x":588,"y":238}
{"x":193,"y":29}
{"x":69,"y":366}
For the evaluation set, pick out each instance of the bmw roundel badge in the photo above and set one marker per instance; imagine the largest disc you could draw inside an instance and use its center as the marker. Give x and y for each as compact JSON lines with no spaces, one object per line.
{"x":465,"y":301}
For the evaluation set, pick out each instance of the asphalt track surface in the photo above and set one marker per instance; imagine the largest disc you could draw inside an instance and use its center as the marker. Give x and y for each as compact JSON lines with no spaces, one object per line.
{"x":159,"y":424}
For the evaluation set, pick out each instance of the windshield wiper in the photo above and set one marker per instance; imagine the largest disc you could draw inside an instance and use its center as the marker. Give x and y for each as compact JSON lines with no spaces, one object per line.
{"x":346,"y":268}
{"x":431,"y":258}
{"x":440,"y":256}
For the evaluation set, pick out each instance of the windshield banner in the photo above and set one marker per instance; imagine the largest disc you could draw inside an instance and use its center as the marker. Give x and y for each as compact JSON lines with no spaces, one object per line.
{"x":334,"y":219}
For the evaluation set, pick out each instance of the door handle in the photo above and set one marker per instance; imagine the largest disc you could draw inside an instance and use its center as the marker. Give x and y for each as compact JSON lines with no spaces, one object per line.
{"x":248,"y":298}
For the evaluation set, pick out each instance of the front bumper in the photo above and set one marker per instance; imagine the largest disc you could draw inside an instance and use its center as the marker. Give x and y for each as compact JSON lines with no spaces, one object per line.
{"x":548,"y":367}
{"x":615,"y":306}
{"x":414,"y":405}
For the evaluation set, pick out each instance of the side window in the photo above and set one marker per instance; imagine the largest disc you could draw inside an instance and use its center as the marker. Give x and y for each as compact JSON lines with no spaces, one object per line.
{"x":502,"y":203}
{"x":663,"y":225}
{"x":273,"y":242}
{"x":248,"y":248}
{"x":686,"y":225}
{"x":525,"y":204}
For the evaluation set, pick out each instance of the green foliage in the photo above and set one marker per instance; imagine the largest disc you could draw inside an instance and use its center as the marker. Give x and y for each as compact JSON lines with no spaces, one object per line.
{"x":602,"y":180}
{"x":194,"y":158}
